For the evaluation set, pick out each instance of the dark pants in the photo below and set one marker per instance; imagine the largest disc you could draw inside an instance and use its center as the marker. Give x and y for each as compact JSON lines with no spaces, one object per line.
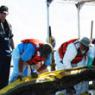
{"x":4,"y":70}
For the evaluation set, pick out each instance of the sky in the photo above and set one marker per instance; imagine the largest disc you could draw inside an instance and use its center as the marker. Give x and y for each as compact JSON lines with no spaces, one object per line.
{"x":29,"y":20}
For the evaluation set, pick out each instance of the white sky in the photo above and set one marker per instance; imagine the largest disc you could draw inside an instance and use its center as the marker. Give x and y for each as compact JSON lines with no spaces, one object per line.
{"x":29,"y":19}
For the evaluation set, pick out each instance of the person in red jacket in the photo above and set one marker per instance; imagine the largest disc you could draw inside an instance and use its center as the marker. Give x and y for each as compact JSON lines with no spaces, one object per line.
{"x":74,"y":54}
{"x":32,"y":52}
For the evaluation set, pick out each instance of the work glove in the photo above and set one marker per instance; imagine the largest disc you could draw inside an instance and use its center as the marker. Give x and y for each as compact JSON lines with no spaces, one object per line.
{"x":90,"y":63}
{"x":34,"y":74}
{"x":20,"y":76}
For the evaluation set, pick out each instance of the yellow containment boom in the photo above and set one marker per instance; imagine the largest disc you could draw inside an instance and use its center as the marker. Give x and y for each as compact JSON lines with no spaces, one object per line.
{"x":49,"y":82}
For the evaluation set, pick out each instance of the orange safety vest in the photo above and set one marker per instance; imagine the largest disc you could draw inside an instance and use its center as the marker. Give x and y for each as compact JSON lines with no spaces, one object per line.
{"x":63,"y":48}
{"x":36,"y":58}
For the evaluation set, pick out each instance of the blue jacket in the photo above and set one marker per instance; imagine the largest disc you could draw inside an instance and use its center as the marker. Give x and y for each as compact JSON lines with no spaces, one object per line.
{"x":27,"y":51}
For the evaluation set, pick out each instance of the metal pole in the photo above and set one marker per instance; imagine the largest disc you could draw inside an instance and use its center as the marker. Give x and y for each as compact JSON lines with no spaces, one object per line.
{"x":78,"y":18}
{"x":49,"y":35}
{"x":78,"y":6}
{"x":78,"y":10}
{"x":47,"y":3}
{"x":91,"y":35}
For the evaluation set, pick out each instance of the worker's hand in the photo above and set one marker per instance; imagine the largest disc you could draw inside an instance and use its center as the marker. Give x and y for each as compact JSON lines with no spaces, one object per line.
{"x":34,"y":74}
{"x":89,"y":66}
{"x":20,"y":76}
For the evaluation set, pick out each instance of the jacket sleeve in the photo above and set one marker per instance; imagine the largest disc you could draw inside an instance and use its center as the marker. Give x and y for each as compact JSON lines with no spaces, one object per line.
{"x":28,"y":51}
{"x":48,"y":60}
{"x":69,"y":56}
{"x":91,"y":55}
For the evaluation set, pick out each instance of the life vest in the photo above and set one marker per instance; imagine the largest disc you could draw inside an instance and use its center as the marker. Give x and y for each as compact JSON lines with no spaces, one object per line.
{"x":33,"y":41}
{"x":36,"y":58}
{"x":63,"y":49}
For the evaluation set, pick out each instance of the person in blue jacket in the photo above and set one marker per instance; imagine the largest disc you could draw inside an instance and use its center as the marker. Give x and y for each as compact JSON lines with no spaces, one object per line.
{"x":32,"y":53}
